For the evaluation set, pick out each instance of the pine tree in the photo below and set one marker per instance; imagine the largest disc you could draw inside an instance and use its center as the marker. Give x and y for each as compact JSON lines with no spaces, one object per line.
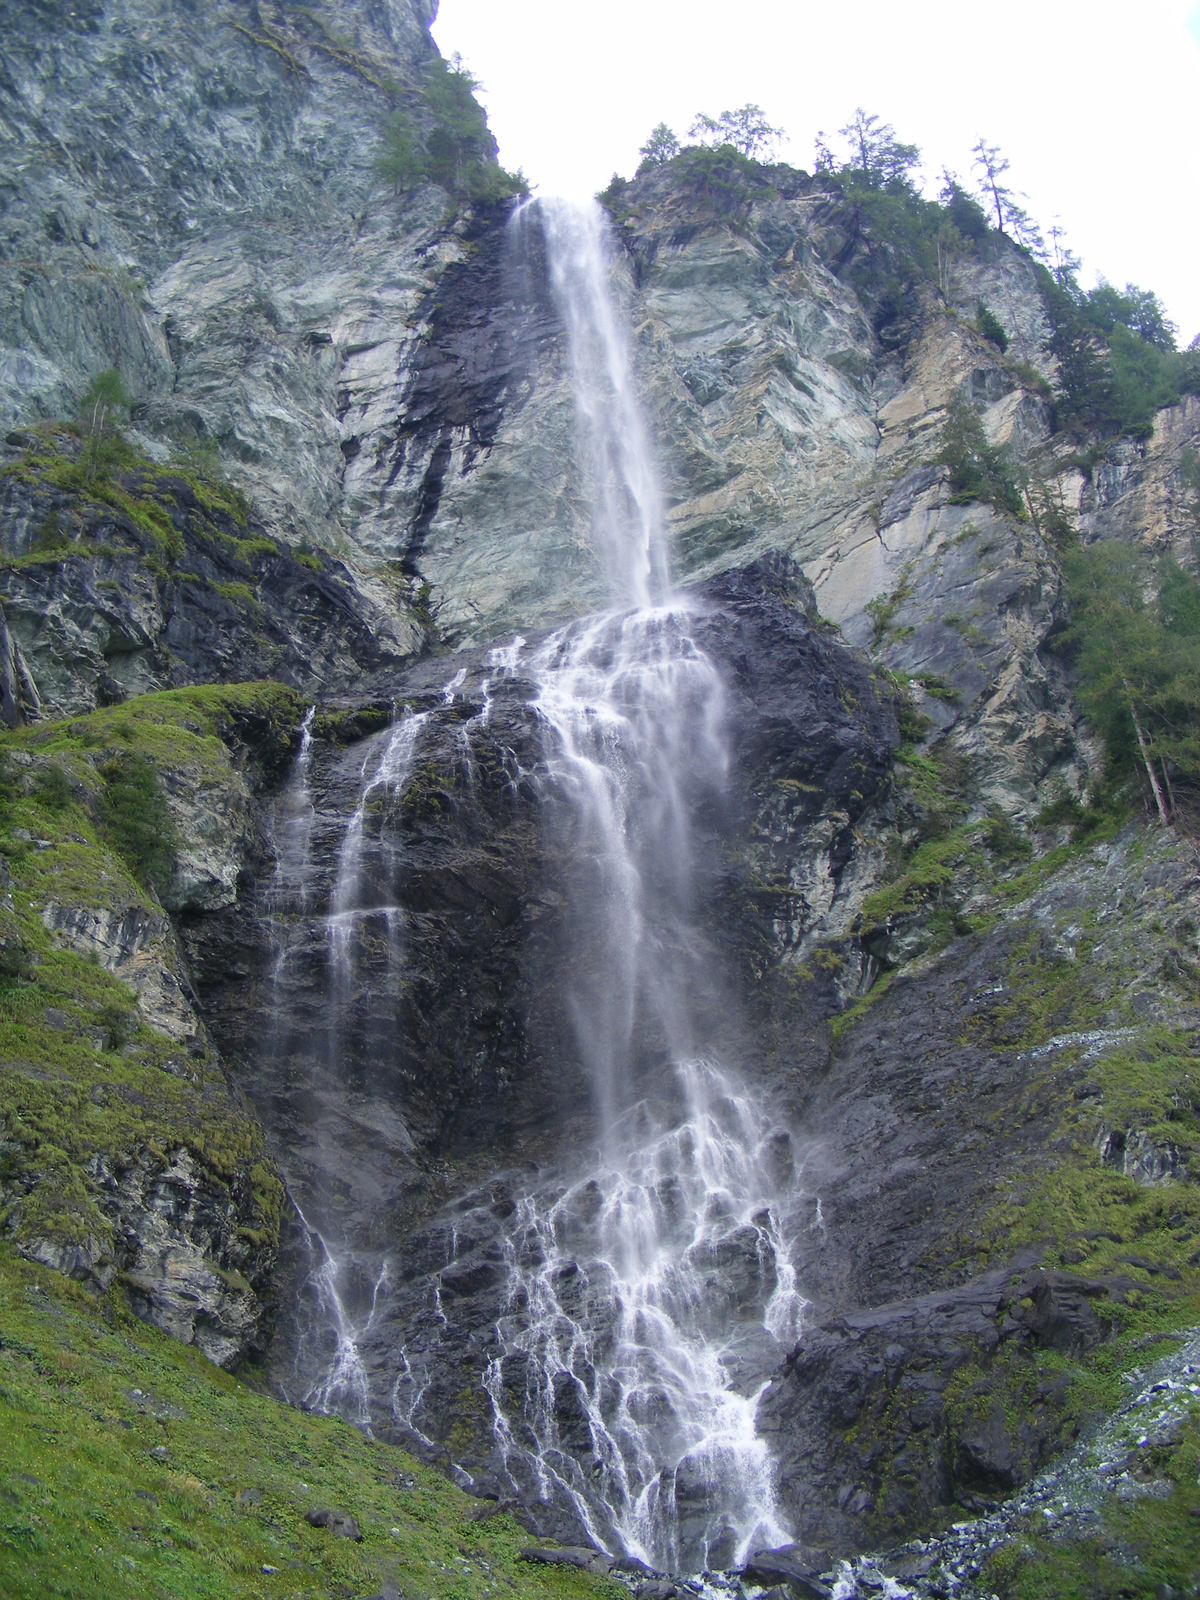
{"x":662,"y":145}
{"x":746,"y":129}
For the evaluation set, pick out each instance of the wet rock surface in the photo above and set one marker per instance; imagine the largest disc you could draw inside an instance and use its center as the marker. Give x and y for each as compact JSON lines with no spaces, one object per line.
{"x":1065,"y":1510}
{"x":883,"y":1417}
{"x":958,"y":1086}
{"x":417,"y":1100}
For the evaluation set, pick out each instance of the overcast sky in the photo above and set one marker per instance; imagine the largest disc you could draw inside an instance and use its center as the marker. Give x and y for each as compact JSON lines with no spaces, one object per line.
{"x":1095,"y":103}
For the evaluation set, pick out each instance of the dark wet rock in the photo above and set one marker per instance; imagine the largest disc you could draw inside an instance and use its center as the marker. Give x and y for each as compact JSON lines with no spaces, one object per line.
{"x":109,"y":614}
{"x":1157,"y":1269}
{"x":914,"y":1565}
{"x":794,"y":1569}
{"x":339,"y":1523}
{"x":452,"y":1045}
{"x":581,"y":1556}
{"x":893,"y":1413}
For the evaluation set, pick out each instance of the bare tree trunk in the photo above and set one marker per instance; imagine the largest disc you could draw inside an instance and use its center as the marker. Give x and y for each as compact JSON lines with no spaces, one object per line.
{"x":1162,"y":761}
{"x":1164,"y":814}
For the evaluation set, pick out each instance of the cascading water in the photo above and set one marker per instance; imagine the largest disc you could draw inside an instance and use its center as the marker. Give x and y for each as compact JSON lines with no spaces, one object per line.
{"x":648,"y":1300}
{"x":641,"y":1297}
{"x":339,"y":1288}
{"x":626,"y":507}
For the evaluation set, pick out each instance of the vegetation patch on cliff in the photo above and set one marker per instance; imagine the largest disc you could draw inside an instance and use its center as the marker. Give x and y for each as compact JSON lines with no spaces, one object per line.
{"x":1141,"y":1545}
{"x":440,"y":135}
{"x":100,"y":1079}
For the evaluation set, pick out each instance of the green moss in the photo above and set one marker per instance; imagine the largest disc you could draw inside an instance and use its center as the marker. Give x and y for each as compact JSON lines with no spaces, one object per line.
{"x":274,"y":43}
{"x":136,"y":819}
{"x":87,"y":1394}
{"x":240,"y":592}
{"x":883,"y":608}
{"x":148,"y":510}
{"x":250,"y":550}
{"x":934,"y":780}
{"x":172,"y":726}
{"x":1048,"y":992}
{"x":929,"y":870}
{"x":851,"y":1015}
{"x":937,"y":687}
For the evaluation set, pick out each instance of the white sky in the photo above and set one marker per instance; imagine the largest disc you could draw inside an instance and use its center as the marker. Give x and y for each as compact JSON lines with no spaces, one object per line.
{"x":1095,"y":103}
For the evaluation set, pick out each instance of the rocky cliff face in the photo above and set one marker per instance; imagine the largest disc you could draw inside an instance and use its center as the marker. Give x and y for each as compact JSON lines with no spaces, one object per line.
{"x":354,"y":473}
{"x":438,"y":1074}
{"x":127,"y":1155}
{"x":192,"y":200}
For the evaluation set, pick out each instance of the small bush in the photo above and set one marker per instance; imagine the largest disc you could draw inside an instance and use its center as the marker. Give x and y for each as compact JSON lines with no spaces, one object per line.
{"x":1004,"y":839}
{"x":937,"y":687}
{"x":990,"y":329}
{"x":721,"y":181}
{"x":52,"y":789}
{"x":882,"y":609}
{"x":49,"y":535}
{"x":119,"y":1023}
{"x":103,"y":407}
{"x":135,"y":817}
{"x":978,"y":470}
{"x":16,"y":963}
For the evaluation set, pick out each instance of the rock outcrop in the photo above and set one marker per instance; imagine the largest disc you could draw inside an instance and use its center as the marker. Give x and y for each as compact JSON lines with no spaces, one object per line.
{"x":440,"y":1074}
{"x":128,"y":1155}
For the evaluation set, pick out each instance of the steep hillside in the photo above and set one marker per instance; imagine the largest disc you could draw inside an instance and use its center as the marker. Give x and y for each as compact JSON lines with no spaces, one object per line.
{"x":299,"y":562}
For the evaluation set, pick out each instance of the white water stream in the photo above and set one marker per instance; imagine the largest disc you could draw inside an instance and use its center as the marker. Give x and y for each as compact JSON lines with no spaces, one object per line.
{"x":648,"y":1296}
{"x":334,"y":1278}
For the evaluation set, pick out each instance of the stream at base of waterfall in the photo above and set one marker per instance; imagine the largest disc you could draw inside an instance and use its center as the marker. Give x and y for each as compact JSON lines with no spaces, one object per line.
{"x":648,"y":1295}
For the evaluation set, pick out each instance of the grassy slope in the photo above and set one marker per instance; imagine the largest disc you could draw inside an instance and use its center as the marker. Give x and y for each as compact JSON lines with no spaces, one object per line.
{"x":69,"y":1362}
{"x":1143,"y":1546}
{"x":88,"y":1509}
{"x":80,"y":1075}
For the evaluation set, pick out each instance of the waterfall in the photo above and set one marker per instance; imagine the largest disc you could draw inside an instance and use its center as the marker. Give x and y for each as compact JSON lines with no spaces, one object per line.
{"x":626,"y":1308}
{"x":365,"y":871}
{"x":647,"y":1300}
{"x":339,"y":1287}
{"x":626,"y":506}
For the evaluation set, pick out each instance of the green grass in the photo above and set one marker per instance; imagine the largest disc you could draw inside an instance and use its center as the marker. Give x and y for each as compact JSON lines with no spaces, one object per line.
{"x":172,"y":727}
{"x":87,"y":1509}
{"x":148,"y":508}
{"x":931,"y":868}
